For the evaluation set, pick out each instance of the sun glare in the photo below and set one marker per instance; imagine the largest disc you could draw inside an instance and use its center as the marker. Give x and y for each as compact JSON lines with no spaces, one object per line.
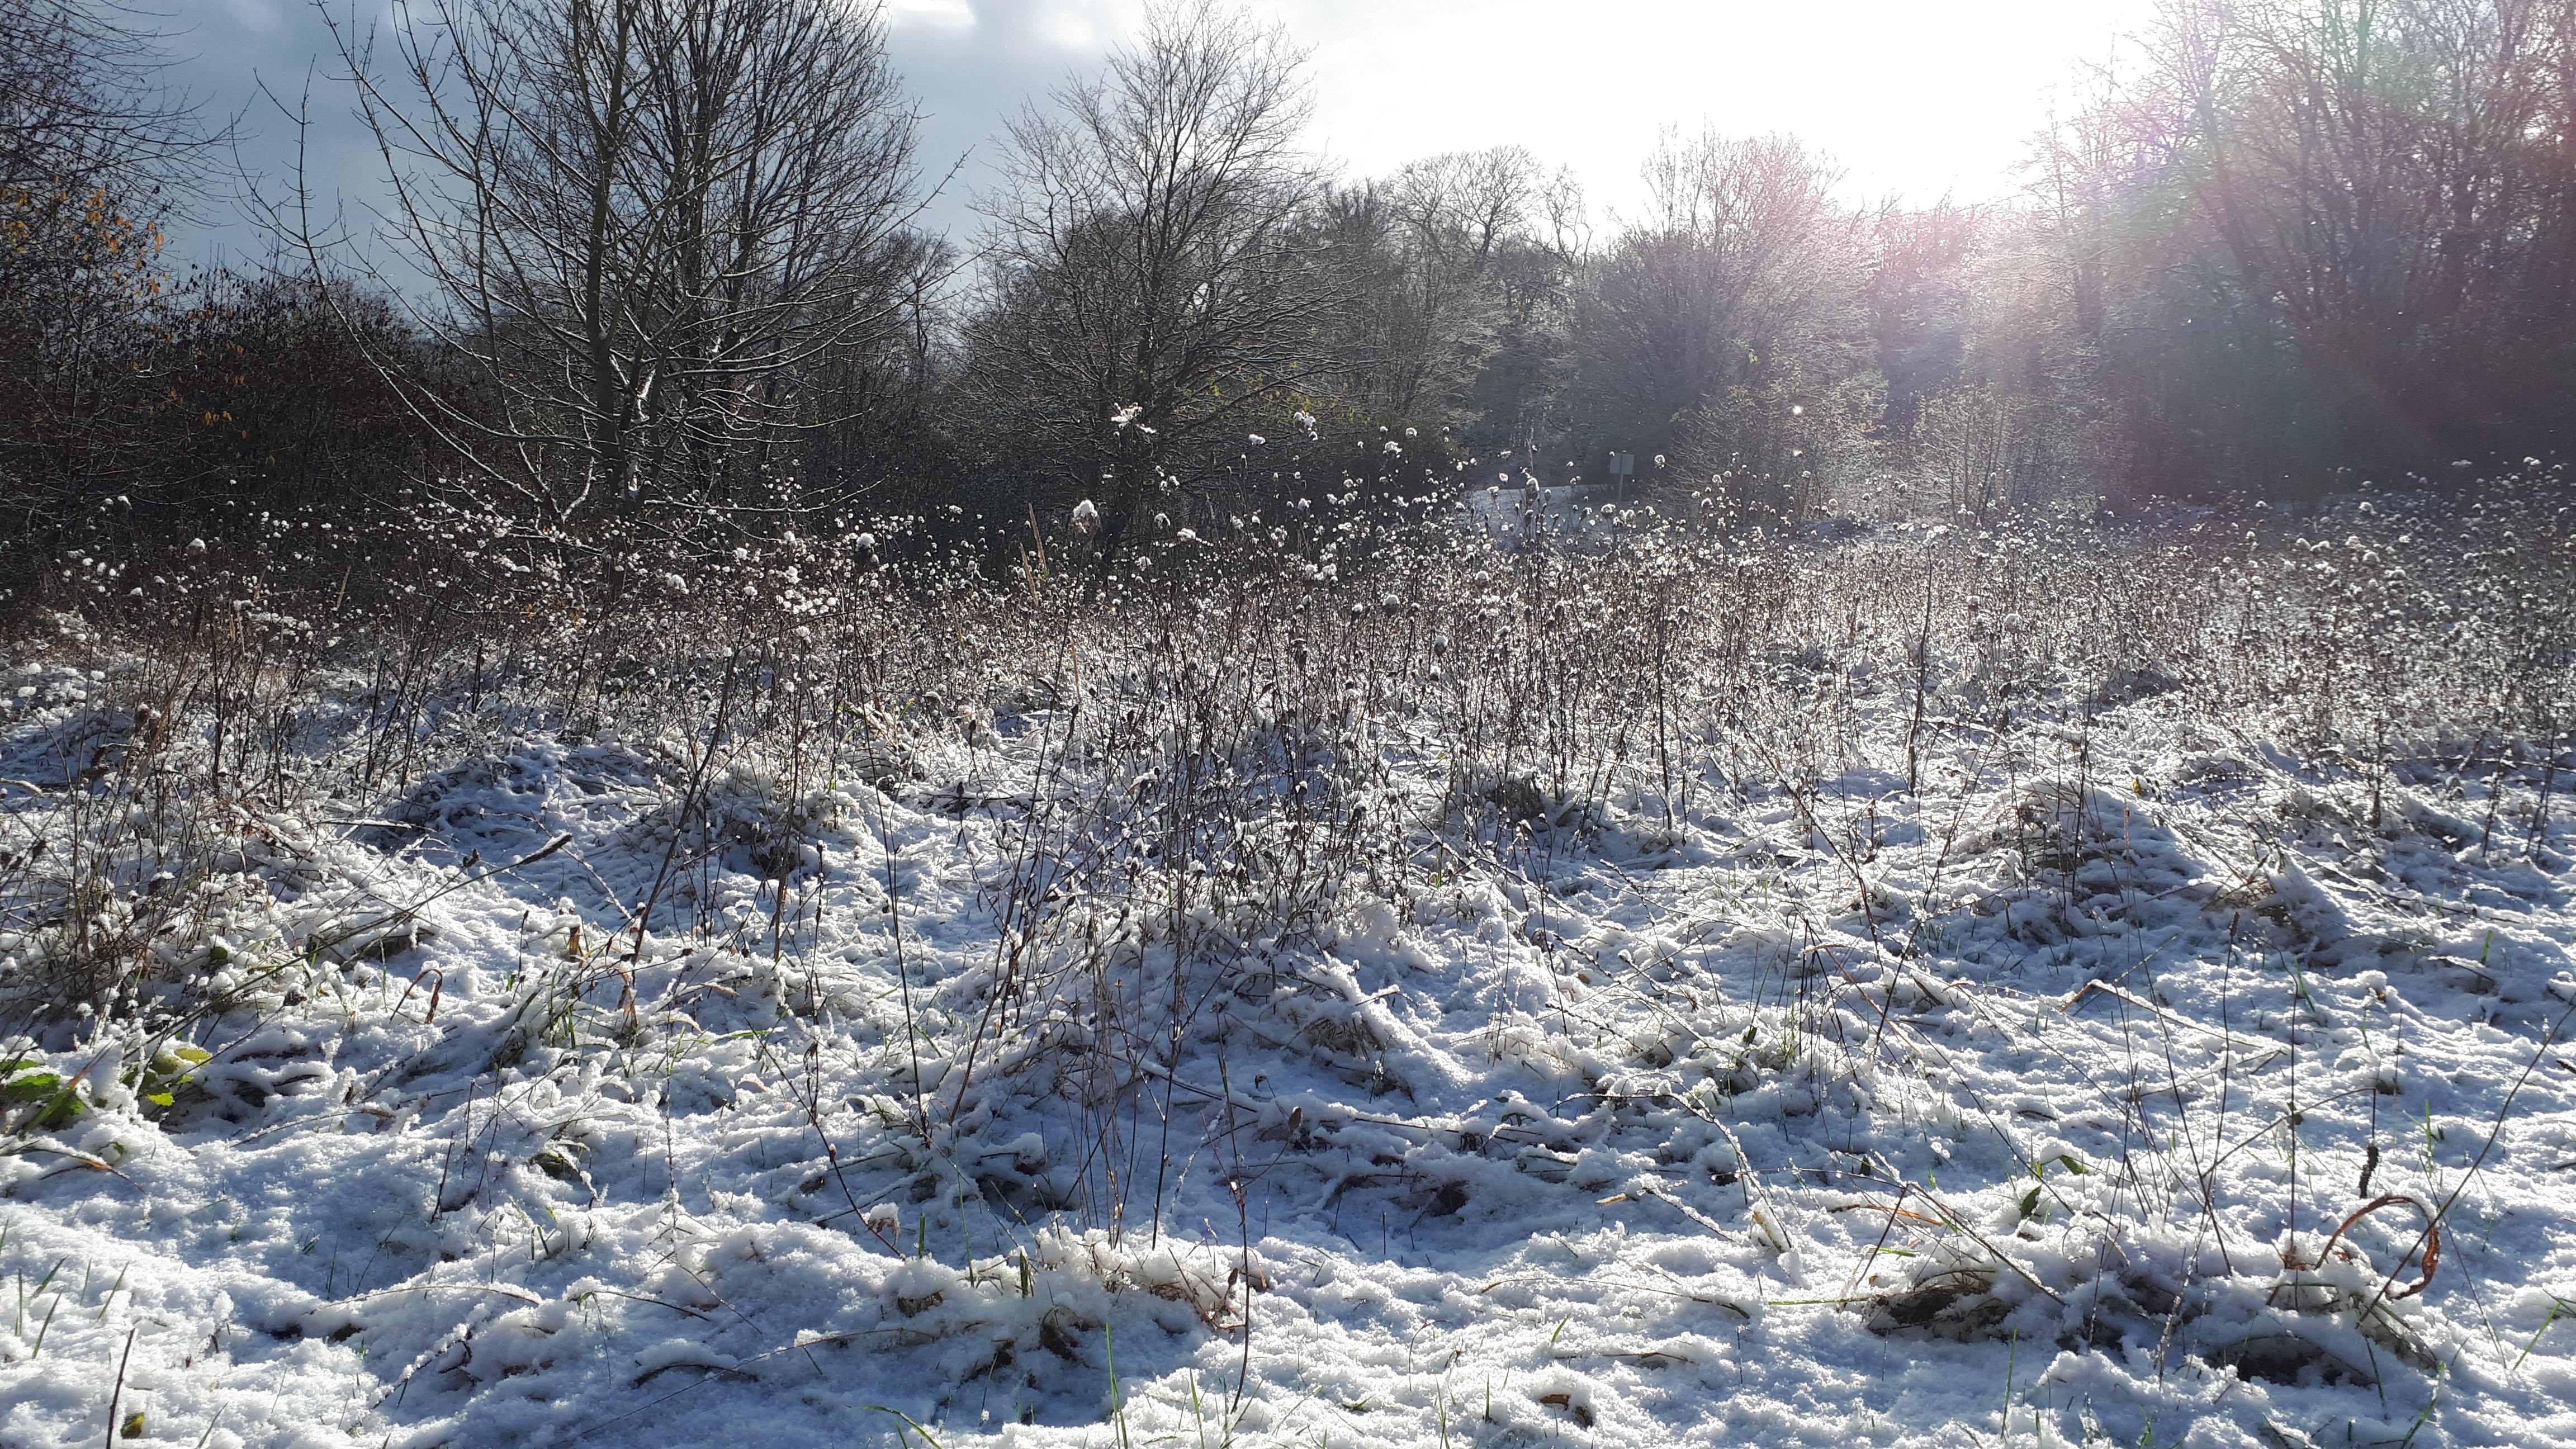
{"x":1908,"y":97}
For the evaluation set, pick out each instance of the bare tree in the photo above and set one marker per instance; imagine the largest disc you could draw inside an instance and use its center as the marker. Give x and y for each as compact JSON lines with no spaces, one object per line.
{"x":2320,"y":235}
{"x":1153,"y":284}
{"x":1440,"y":237}
{"x":81,"y":95}
{"x":90,"y":144}
{"x":643,"y":220}
{"x":1728,"y":326}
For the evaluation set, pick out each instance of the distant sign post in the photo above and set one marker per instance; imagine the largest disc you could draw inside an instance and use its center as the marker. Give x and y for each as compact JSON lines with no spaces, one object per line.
{"x":1623,"y":466}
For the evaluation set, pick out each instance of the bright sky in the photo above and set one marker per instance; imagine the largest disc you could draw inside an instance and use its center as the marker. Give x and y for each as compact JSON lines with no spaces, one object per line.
{"x":1918,"y":97}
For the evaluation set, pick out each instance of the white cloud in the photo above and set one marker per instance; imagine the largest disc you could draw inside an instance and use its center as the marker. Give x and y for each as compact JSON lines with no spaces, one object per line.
{"x":259,"y":17}
{"x":931,"y":12}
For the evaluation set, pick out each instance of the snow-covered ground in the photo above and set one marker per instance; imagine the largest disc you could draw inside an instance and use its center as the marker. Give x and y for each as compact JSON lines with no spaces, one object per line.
{"x":2019,"y":1106}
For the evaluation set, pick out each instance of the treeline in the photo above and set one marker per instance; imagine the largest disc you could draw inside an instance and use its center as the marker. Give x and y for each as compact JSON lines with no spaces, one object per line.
{"x":653,"y":288}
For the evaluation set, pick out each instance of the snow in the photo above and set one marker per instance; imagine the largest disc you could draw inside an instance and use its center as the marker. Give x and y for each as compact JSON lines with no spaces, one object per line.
{"x":2016,"y":1109}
